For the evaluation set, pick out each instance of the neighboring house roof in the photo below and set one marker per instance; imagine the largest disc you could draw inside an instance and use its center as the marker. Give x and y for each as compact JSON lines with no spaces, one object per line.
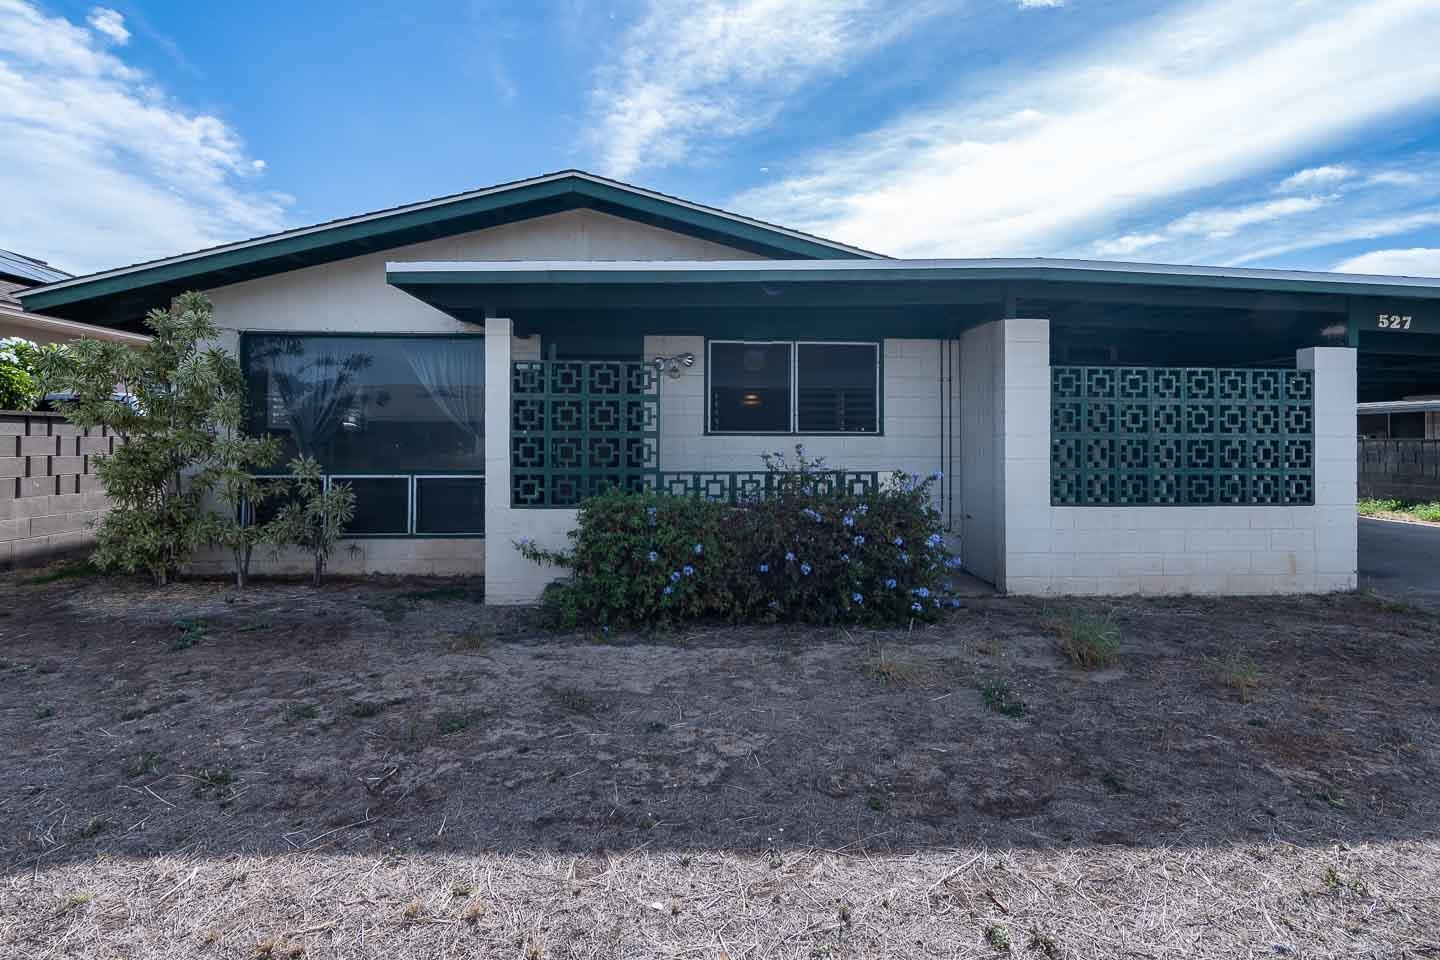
{"x":120,"y":295}
{"x":27,"y":270}
{"x":19,"y":273}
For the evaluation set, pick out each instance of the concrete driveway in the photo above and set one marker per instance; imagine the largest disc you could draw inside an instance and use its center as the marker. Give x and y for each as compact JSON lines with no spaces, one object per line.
{"x":1400,"y":560}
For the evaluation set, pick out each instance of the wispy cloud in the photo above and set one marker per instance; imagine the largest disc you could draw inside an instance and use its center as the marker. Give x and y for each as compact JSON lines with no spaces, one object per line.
{"x":1315,"y":178}
{"x":1409,"y":262}
{"x":1184,"y":102}
{"x":689,"y":74}
{"x":1213,"y":223}
{"x":109,"y":22}
{"x":1033,"y":4}
{"x":108,"y":168}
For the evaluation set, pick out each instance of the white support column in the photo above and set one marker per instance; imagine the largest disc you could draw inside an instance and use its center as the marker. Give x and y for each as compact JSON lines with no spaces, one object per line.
{"x":509,"y":577}
{"x":1023,"y":423}
{"x":1336,"y":466}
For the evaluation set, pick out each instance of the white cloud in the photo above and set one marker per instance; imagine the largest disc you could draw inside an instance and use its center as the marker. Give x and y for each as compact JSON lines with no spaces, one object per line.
{"x":1212,"y":223}
{"x":109,"y":22}
{"x":104,"y":168}
{"x":1034,"y":4}
{"x":1411,"y":262}
{"x":1315,"y":178}
{"x":1365,"y":228}
{"x":1190,"y":100}
{"x":689,"y":73}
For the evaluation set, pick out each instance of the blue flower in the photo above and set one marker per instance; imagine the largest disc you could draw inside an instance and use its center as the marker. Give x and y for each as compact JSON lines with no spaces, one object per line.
{"x":933,"y":540}
{"x":856,"y":598}
{"x":605,"y":628}
{"x":805,"y":569}
{"x":921,"y":592}
{"x":789,"y":557}
{"x":688,"y":570}
{"x":650,"y":513}
{"x":674,"y":576}
{"x":524,"y":542}
{"x":668,"y":590}
{"x":890,"y":584}
{"x":844,"y":558}
{"x":904,"y":558}
{"x":764,"y":568}
{"x":898,"y":541}
{"x":812,"y":514}
{"x":774,"y":604}
{"x":917,"y":608}
{"x":938,"y":475}
{"x":652,"y":556}
{"x":848,"y":520}
{"x":860,"y":540}
{"x":863,"y":509}
{"x":954,"y":601}
{"x":953,"y":563}
{"x":699,"y":549}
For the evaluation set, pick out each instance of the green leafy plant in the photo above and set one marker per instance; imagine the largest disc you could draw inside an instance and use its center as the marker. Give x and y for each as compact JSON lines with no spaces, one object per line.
{"x":999,"y":697}
{"x":315,"y":515}
{"x":177,"y":426}
{"x":18,"y":388}
{"x":239,"y":492}
{"x":806,"y":552}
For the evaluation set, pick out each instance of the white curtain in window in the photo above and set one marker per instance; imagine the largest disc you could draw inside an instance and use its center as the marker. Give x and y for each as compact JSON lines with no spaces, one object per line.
{"x":453,"y":375}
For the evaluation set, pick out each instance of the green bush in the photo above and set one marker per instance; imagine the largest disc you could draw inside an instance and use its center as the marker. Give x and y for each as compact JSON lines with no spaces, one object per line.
{"x":807,"y":553}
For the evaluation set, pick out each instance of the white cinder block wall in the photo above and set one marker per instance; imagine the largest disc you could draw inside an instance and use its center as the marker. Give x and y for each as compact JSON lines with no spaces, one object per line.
{"x":1171,"y":550}
{"x":913,"y":414}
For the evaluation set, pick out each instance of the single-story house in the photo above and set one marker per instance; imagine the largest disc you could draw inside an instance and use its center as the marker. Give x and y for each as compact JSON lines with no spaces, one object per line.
{"x":475,"y":364}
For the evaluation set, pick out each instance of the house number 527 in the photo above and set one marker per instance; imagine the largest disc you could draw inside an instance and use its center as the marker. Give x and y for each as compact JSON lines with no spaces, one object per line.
{"x":1393,"y":321}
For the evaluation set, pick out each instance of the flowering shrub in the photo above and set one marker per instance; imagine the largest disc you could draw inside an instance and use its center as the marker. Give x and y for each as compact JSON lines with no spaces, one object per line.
{"x":806,"y":553}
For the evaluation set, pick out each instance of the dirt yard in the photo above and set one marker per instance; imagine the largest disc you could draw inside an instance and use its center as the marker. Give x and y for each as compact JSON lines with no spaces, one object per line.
{"x":388,"y":768}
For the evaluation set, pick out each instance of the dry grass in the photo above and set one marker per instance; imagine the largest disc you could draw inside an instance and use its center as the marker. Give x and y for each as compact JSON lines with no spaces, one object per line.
{"x":1257,"y":900}
{"x":951,"y":791}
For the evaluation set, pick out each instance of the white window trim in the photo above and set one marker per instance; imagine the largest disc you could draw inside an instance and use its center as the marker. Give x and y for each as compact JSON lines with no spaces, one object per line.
{"x":794,"y":418}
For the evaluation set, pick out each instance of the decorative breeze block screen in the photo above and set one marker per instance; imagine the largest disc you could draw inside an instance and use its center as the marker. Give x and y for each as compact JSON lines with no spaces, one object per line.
{"x":579,"y":427}
{"x":1166,"y":436}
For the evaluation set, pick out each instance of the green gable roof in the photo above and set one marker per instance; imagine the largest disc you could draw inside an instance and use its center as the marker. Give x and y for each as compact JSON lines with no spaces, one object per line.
{"x":120,"y":297}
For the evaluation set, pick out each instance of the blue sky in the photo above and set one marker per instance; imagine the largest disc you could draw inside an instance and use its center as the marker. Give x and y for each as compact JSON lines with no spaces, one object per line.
{"x":1287,"y":133}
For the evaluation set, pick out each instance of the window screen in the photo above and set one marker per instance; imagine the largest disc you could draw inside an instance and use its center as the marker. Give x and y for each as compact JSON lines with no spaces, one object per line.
{"x":836,"y":388}
{"x":449,"y":505}
{"x":382,"y":505}
{"x":750,"y":387}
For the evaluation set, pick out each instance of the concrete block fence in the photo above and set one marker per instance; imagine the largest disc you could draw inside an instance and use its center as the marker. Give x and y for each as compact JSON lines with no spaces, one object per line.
{"x":49,"y":493}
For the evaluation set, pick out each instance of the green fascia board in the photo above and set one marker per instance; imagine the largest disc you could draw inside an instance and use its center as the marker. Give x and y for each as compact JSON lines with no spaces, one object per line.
{"x":889,"y":272}
{"x":372,"y":233}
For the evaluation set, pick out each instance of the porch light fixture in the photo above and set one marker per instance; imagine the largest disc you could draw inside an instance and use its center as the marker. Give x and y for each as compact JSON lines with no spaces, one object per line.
{"x":750,"y":400}
{"x":674,"y":366}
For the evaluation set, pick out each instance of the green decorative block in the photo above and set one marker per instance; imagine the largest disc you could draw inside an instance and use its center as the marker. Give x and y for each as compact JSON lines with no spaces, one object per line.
{"x":1181,"y":435}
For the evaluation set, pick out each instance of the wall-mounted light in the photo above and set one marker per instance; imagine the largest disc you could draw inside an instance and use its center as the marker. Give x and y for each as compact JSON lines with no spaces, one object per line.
{"x":750,"y":400}
{"x":674,"y":366}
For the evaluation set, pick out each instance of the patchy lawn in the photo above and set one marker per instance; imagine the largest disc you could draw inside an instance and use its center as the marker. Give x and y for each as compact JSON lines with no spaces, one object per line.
{"x":389,"y":768}
{"x":1400,"y":510}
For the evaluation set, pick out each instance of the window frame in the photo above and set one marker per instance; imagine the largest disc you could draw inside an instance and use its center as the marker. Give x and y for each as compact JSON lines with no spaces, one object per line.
{"x":795,"y":345}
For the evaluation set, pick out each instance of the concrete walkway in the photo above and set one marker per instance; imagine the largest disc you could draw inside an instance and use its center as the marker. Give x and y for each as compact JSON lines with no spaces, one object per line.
{"x":1400,"y":560}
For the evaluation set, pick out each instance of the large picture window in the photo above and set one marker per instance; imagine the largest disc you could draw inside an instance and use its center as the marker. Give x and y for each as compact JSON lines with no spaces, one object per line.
{"x":793,"y":387}
{"x":377,"y":411}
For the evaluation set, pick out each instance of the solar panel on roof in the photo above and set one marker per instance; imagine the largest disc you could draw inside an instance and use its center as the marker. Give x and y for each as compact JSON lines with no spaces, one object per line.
{"x":24,"y":268}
